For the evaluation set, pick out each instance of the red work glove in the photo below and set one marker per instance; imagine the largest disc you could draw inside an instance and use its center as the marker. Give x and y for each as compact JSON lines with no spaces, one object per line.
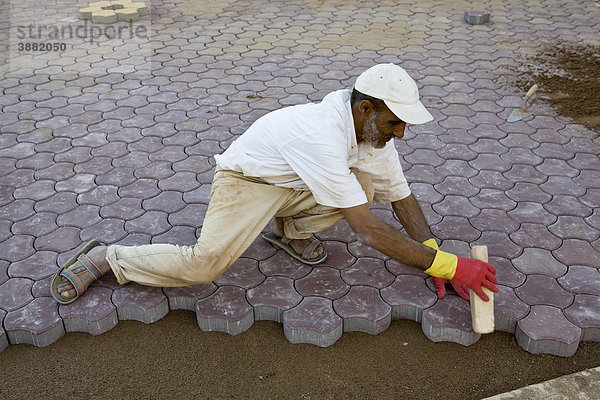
{"x":474,"y":274}
{"x":441,"y":282}
{"x":462,"y":290}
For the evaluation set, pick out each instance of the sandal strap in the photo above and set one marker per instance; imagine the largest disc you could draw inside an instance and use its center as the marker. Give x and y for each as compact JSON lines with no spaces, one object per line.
{"x":89,"y":265}
{"x":72,"y":275}
{"x":310,"y":248}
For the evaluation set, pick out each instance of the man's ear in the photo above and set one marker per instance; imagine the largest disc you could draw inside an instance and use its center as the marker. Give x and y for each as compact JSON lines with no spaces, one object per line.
{"x":366,"y":107}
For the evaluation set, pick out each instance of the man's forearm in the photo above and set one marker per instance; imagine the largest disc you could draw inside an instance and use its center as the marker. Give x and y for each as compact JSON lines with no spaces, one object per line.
{"x":381,"y":236}
{"x":411,"y":217}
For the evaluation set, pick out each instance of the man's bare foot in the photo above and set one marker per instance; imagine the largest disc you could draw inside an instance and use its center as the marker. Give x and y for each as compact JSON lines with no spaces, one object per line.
{"x":299,"y":245}
{"x":98,"y":256}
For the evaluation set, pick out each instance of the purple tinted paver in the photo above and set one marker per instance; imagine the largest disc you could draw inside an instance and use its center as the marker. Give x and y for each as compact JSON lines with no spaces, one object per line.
{"x":38,"y":323}
{"x":363,"y":310}
{"x":539,"y":261}
{"x":577,"y":252}
{"x":40,"y":265}
{"x":408,"y":296}
{"x":368,"y":272}
{"x":508,"y":309}
{"x":272,"y":297}
{"x":93,"y":312}
{"x":281,"y":264}
{"x":338,"y":255}
{"x":449,"y":320}
{"x":141,"y":303}
{"x":542,"y":289}
{"x":584,"y":313}
{"x":15,"y":293}
{"x":313,"y":321}
{"x":398,"y":268}
{"x":546,"y":330}
{"x":226,"y":310}
{"x":243,"y":272}
{"x":185,"y":297}
{"x":581,"y":280}
{"x":323,"y":282}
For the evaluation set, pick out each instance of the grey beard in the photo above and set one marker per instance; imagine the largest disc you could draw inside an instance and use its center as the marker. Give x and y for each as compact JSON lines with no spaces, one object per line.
{"x":371,"y":134}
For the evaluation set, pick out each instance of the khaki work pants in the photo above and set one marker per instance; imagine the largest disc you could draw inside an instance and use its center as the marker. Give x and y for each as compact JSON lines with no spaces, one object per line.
{"x":238,"y":211}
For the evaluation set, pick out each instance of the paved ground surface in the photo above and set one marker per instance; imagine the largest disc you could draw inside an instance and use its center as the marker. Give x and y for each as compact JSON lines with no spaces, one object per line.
{"x":115,"y":142}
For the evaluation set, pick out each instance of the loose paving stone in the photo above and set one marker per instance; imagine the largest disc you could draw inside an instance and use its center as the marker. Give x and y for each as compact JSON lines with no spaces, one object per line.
{"x":583,"y":313}
{"x":93,"y":312}
{"x":272,"y":298}
{"x":226,"y":311}
{"x":313,"y":321}
{"x":141,"y":303}
{"x":185,"y":298}
{"x":408,"y":296}
{"x":449,"y":320}
{"x":38,"y":323}
{"x":546,"y":330}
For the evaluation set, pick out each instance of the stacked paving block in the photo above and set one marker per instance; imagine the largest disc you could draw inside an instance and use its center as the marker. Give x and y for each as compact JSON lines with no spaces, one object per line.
{"x":109,"y":12}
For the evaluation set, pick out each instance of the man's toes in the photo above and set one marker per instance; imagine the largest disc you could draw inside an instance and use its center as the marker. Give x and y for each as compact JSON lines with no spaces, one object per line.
{"x":68,"y":294}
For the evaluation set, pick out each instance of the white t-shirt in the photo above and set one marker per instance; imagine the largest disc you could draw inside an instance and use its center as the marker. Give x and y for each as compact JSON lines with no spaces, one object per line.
{"x":312,"y":147}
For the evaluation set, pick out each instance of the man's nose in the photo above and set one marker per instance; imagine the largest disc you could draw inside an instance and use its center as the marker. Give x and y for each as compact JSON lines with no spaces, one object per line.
{"x":399,"y":131}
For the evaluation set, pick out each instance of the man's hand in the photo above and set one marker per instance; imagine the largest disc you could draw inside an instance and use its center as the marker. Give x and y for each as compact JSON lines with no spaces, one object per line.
{"x":441,"y":282}
{"x":462,"y":290}
{"x":462,"y":273}
{"x":474,"y":274}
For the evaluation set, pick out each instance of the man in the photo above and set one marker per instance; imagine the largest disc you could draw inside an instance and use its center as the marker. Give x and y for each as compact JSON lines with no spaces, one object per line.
{"x":303,"y":168}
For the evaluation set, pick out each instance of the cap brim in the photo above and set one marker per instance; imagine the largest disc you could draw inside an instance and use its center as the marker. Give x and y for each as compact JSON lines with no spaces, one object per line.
{"x":413,"y":114}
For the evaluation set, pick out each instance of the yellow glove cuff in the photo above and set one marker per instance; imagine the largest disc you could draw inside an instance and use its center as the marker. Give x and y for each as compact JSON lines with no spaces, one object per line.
{"x":443,"y":266}
{"x":431,"y":243}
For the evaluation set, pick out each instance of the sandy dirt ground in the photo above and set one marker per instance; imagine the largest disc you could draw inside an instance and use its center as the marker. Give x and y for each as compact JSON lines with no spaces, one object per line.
{"x":173,"y":358}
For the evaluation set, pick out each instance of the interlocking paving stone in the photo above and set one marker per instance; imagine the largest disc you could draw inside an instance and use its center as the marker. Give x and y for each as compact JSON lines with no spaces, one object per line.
{"x":141,"y":303}
{"x":581,"y":313}
{"x":363,"y":309}
{"x":581,"y":280}
{"x":368,"y":272}
{"x":539,"y":261}
{"x":226,"y":310}
{"x":110,"y":143}
{"x":542,"y":289}
{"x":185,"y":298}
{"x":38,"y":323}
{"x":449,"y":320}
{"x":313,"y":321}
{"x":272,"y":298}
{"x":93,"y":312}
{"x":408,"y":296}
{"x":546,"y":330}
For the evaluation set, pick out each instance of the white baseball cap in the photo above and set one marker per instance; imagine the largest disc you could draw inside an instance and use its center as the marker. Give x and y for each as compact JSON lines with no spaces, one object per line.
{"x":393,"y":85}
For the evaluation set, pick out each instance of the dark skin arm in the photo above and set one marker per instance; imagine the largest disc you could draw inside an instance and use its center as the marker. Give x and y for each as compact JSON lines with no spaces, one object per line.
{"x":381,"y":236}
{"x":411,"y":217}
